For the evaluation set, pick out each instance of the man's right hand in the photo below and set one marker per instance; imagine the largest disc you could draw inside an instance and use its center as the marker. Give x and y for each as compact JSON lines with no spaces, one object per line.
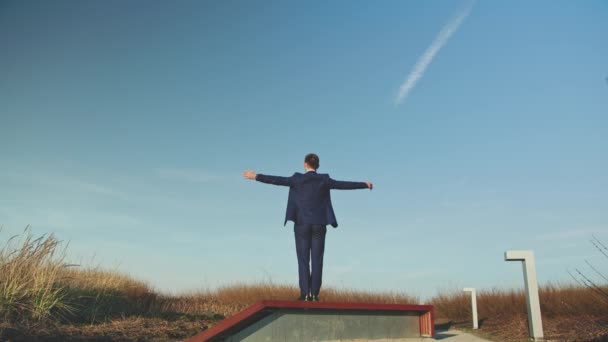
{"x":369,"y":185}
{"x":249,"y":174}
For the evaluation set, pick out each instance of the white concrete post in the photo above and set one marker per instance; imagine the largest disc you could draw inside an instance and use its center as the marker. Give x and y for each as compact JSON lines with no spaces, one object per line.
{"x":473,"y":305}
{"x":535,"y":324}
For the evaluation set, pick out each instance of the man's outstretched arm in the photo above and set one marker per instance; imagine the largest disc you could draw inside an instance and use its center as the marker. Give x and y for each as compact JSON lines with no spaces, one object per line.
{"x":276,"y":180}
{"x":342,"y":185}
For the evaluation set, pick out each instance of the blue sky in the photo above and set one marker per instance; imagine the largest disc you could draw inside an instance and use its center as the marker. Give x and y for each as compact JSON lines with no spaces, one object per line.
{"x":125,"y":127}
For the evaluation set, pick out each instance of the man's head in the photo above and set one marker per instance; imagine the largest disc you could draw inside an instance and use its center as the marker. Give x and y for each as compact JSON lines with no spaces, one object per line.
{"x":311,"y":161}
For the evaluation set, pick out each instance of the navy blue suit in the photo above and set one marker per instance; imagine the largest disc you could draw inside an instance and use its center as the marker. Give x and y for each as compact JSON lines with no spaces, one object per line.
{"x":309,"y":207}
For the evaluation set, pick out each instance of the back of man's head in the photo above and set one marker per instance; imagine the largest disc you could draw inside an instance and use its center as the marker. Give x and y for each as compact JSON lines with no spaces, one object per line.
{"x":312,"y":160}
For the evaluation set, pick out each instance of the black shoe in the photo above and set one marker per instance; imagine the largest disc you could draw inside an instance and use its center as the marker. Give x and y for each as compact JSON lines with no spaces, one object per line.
{"x":314,"y":299}
{"x":303,"y":298}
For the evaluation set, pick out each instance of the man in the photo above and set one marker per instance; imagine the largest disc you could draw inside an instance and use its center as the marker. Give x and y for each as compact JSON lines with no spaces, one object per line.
{"x":309,"y":207}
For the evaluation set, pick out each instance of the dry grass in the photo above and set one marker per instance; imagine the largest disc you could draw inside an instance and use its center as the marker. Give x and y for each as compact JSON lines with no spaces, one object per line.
{"x":97,"y":295}
{"x":29,"y":270}
{"x":570,"y":313}
{"x":556,"y":301}
{"x":42,"y":296}
{"x":129,"y":329}
{"x":228,"y":300}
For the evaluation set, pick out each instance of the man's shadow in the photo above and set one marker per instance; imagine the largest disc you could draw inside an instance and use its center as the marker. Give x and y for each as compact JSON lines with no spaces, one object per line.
{"x":442,"y":329}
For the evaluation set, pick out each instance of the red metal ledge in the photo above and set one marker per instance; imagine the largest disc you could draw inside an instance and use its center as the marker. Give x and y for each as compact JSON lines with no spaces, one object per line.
{"x":263,"y":308}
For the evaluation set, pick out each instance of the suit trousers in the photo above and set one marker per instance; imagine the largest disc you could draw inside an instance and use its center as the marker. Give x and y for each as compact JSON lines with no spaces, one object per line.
{"x":310,"y":247}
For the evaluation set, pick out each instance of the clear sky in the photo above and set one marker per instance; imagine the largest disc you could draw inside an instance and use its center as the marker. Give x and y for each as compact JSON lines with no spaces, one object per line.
{"x":125,"y":127}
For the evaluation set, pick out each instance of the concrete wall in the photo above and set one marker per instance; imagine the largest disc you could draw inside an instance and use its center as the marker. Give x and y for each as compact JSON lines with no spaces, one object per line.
{"x":298,"y":325}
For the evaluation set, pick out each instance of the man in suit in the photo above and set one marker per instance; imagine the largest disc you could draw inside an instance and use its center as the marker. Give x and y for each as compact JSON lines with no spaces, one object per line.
{"x":309,"y":207}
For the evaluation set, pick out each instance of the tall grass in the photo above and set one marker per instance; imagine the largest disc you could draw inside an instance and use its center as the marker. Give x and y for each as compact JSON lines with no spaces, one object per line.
{"x":98,"y":295}
{"x":230,"y":299}
{"x":29,"y":272}
{"x":568,"y":312}
{"x":556,"y":300}
{"x":37,"y":285}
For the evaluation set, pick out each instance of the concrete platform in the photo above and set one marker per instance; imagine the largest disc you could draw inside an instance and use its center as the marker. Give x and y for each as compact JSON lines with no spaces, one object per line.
{"x":323,"y":321}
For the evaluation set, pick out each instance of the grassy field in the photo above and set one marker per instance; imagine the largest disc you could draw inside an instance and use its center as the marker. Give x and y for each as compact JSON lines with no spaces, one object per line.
{"x":569,"y":313}
{"x":44,"y":298}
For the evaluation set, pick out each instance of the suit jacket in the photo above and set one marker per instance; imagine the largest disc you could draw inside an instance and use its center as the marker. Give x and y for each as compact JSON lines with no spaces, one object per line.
{"x":309,"y":200}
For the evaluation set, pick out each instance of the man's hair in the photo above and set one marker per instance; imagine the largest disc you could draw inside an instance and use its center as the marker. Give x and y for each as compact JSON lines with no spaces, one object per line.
{"x":312,"y":160}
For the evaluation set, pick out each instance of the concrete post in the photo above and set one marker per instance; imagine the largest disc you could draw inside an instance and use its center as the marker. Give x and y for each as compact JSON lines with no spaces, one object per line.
{"x":473,"y":305}
{"x":535,"y":324}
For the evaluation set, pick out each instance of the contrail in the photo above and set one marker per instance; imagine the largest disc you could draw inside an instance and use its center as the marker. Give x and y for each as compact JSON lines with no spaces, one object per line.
{"x":426,"y":59}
